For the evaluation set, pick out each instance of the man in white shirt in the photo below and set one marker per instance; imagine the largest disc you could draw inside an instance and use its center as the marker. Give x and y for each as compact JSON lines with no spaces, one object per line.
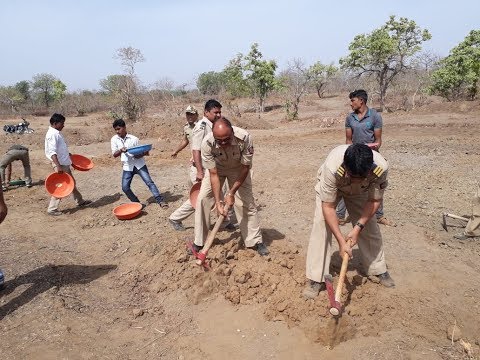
{"x":132,"y":164}
{"x":56,"y":151}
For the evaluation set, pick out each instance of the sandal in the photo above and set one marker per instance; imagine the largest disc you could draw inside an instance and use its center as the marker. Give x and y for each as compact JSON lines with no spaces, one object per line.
{"x":163,"y":205}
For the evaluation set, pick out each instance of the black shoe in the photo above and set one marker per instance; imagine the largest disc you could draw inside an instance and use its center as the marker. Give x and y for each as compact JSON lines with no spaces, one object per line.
{"x":386,"y":280}
{"x":177,"y":225}
{"x":232,"y":227}
{"x":262,"y":249}
{"x":193,"y":247}
{"x":2,"y":280}
{"x":55,"y":213}
{"x":313,"y":288}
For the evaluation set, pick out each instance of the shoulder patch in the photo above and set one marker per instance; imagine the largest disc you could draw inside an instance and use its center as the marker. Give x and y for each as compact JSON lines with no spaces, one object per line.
{"x":202,"y":125}
{"x":378,"y":171}
{"x":341,"y":171}
{"x":240,"y":133}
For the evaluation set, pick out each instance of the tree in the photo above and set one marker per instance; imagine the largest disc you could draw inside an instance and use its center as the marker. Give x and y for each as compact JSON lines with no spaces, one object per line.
{"x":126,"y":88}
{"x":260,"y":75}
{"x":234,"y":78}
{"x":385,"y":52}
{"x":210,"y":83}
{"x":458,"y":74}
{"x":321,"y":75}
{"x":295,"y":81}
{"x":43,"y":86}
{"x":23,"y":88}
{"x":59,"y":89}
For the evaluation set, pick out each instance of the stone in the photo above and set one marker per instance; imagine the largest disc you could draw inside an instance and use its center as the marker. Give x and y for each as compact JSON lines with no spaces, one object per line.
{"x":137,"y":313}
{"x":454,"y":333}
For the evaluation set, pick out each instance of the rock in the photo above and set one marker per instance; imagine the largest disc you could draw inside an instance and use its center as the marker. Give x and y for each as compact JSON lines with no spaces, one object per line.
{"x":227,"y":271}
{"x":182,"y":258}
{"x":454,"y":333}
{"x":282,"y":306}
{"x":137,"y":313}
{"x":358,"y":280}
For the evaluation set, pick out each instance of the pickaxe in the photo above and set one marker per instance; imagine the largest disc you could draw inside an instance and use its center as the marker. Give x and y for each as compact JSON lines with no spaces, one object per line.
{"x":334,"y":298}
{"x":444,"y":218}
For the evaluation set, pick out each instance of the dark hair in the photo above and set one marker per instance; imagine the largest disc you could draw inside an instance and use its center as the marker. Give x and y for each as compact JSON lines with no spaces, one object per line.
{"x":57,"y":118}
{"x":358,"y":159}
{"x":119,"y":122}
{"x":361,"y":94}
{"x":223,"y":120}
{"x":212,"y":103}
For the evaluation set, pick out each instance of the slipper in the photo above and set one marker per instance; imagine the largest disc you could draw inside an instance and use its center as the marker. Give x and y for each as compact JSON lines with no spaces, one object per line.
{"x":163,"y":205}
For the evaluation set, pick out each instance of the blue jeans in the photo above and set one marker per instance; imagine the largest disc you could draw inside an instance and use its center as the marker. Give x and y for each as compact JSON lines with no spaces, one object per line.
{"x":127,"y":178}
{"x":342,"y":209}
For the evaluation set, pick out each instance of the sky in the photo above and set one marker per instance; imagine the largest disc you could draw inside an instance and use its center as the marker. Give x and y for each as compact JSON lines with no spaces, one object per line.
{"x":76,"y":40}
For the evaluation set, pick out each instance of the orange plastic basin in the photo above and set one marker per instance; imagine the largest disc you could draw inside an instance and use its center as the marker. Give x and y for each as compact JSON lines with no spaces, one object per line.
{"x":127,"y":211}
{"x":59,"y":185}
{"x":81,"y":162}
{"x":194,"y":191}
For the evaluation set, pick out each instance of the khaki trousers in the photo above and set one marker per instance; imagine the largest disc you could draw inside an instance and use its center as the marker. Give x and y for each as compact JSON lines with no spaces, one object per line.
{"x":244,"y":207}
{"x":473,"y":225}
{"x":186,"y":209}
{"x":12,"y":155}
{"x":55,"y":202}
{"x":370,"y":241}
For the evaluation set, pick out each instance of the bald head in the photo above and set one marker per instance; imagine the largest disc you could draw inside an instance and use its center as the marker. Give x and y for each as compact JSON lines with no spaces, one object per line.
{"x":222,"y":131}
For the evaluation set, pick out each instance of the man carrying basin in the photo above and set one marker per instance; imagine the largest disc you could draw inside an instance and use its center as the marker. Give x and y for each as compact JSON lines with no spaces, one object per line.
{"x":132,"y":164}
{"x":56,"y":151}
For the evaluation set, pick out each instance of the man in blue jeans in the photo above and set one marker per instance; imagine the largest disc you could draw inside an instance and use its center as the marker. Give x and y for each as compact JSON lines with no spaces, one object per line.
{"x":132,"y":164}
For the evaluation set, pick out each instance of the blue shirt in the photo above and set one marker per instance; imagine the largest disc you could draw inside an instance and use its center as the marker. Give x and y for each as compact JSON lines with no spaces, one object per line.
{"x":363,"y":130}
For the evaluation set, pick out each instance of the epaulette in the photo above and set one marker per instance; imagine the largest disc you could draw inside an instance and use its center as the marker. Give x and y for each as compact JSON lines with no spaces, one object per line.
{"x":377,"y":170}
{"x":240,"y":133}
{"x":202,"y":125}
{"x":341,"y":171}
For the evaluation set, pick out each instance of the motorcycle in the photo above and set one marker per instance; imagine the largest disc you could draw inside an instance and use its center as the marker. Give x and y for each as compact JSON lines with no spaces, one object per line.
{"x":21,"y":128}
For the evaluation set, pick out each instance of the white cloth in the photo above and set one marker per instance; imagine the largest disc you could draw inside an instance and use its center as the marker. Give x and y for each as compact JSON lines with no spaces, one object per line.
{"x":55,"y":144}
{"x":129,"y":161}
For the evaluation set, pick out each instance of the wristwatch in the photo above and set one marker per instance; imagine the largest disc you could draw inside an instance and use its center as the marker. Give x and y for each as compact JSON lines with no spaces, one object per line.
{"x":360,"y":225}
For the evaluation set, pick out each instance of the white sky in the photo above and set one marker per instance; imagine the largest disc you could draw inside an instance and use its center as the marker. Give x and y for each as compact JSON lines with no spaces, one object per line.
{"x":76,"y":40}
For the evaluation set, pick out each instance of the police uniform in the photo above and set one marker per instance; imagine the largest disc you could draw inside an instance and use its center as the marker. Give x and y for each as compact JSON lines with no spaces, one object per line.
{"x":16,"y":152}
{"x":333,"y":183}
{"x":229,"y":162}
{"x":186,"y":209}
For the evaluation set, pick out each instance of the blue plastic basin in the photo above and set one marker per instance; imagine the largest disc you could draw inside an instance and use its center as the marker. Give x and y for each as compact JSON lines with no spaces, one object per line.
{"x":139,"y":150}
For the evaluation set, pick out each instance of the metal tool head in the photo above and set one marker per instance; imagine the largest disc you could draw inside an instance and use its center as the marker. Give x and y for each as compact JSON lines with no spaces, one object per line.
{"x":335,"y":306}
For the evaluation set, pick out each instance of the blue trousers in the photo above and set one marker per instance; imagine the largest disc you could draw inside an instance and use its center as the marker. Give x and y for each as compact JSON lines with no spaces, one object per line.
{"x":127,"y":178}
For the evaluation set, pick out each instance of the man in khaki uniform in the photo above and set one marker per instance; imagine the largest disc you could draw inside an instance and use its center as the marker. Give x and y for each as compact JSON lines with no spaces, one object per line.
{"x":359,"y":175}
{"x":227,"y":153}
{"x":473,"y":226}
{"x":15,"y":152}
{"x":186,"y":209}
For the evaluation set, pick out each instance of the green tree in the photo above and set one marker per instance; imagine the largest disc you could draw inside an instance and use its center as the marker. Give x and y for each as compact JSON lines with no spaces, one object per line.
{"x":210,"y":83}
{"x":234,"y":78}
{"x":385,"y":52}
{"x":459,"y":73}
{"x":321,"y":75}
{"x":23,"y":87}
{"x":43,"y":86}
{"x":59,"y":90}
{"x":260,"y":75}
{"x":11,"y":97}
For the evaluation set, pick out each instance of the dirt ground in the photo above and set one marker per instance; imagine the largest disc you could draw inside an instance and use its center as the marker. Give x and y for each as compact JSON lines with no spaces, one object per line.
{"x":88,"y":286}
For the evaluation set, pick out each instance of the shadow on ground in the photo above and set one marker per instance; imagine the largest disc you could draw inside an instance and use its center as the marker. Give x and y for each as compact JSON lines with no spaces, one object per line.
{"x":46,"y":277}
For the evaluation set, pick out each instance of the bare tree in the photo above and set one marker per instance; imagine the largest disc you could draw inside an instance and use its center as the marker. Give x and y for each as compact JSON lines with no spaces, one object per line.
{"x":295,"y":79}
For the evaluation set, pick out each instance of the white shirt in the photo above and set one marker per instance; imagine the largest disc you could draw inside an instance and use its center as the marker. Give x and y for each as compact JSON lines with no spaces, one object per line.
{"x":128,"y":160}
{"x":55,"y":144}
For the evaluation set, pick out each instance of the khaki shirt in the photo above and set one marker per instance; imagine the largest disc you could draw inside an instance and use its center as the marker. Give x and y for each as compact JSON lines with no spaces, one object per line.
{"x":188,"y":132}
{"x":333,"y":180}
{"x":238,"y":153}
{"x":202,"y":128}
